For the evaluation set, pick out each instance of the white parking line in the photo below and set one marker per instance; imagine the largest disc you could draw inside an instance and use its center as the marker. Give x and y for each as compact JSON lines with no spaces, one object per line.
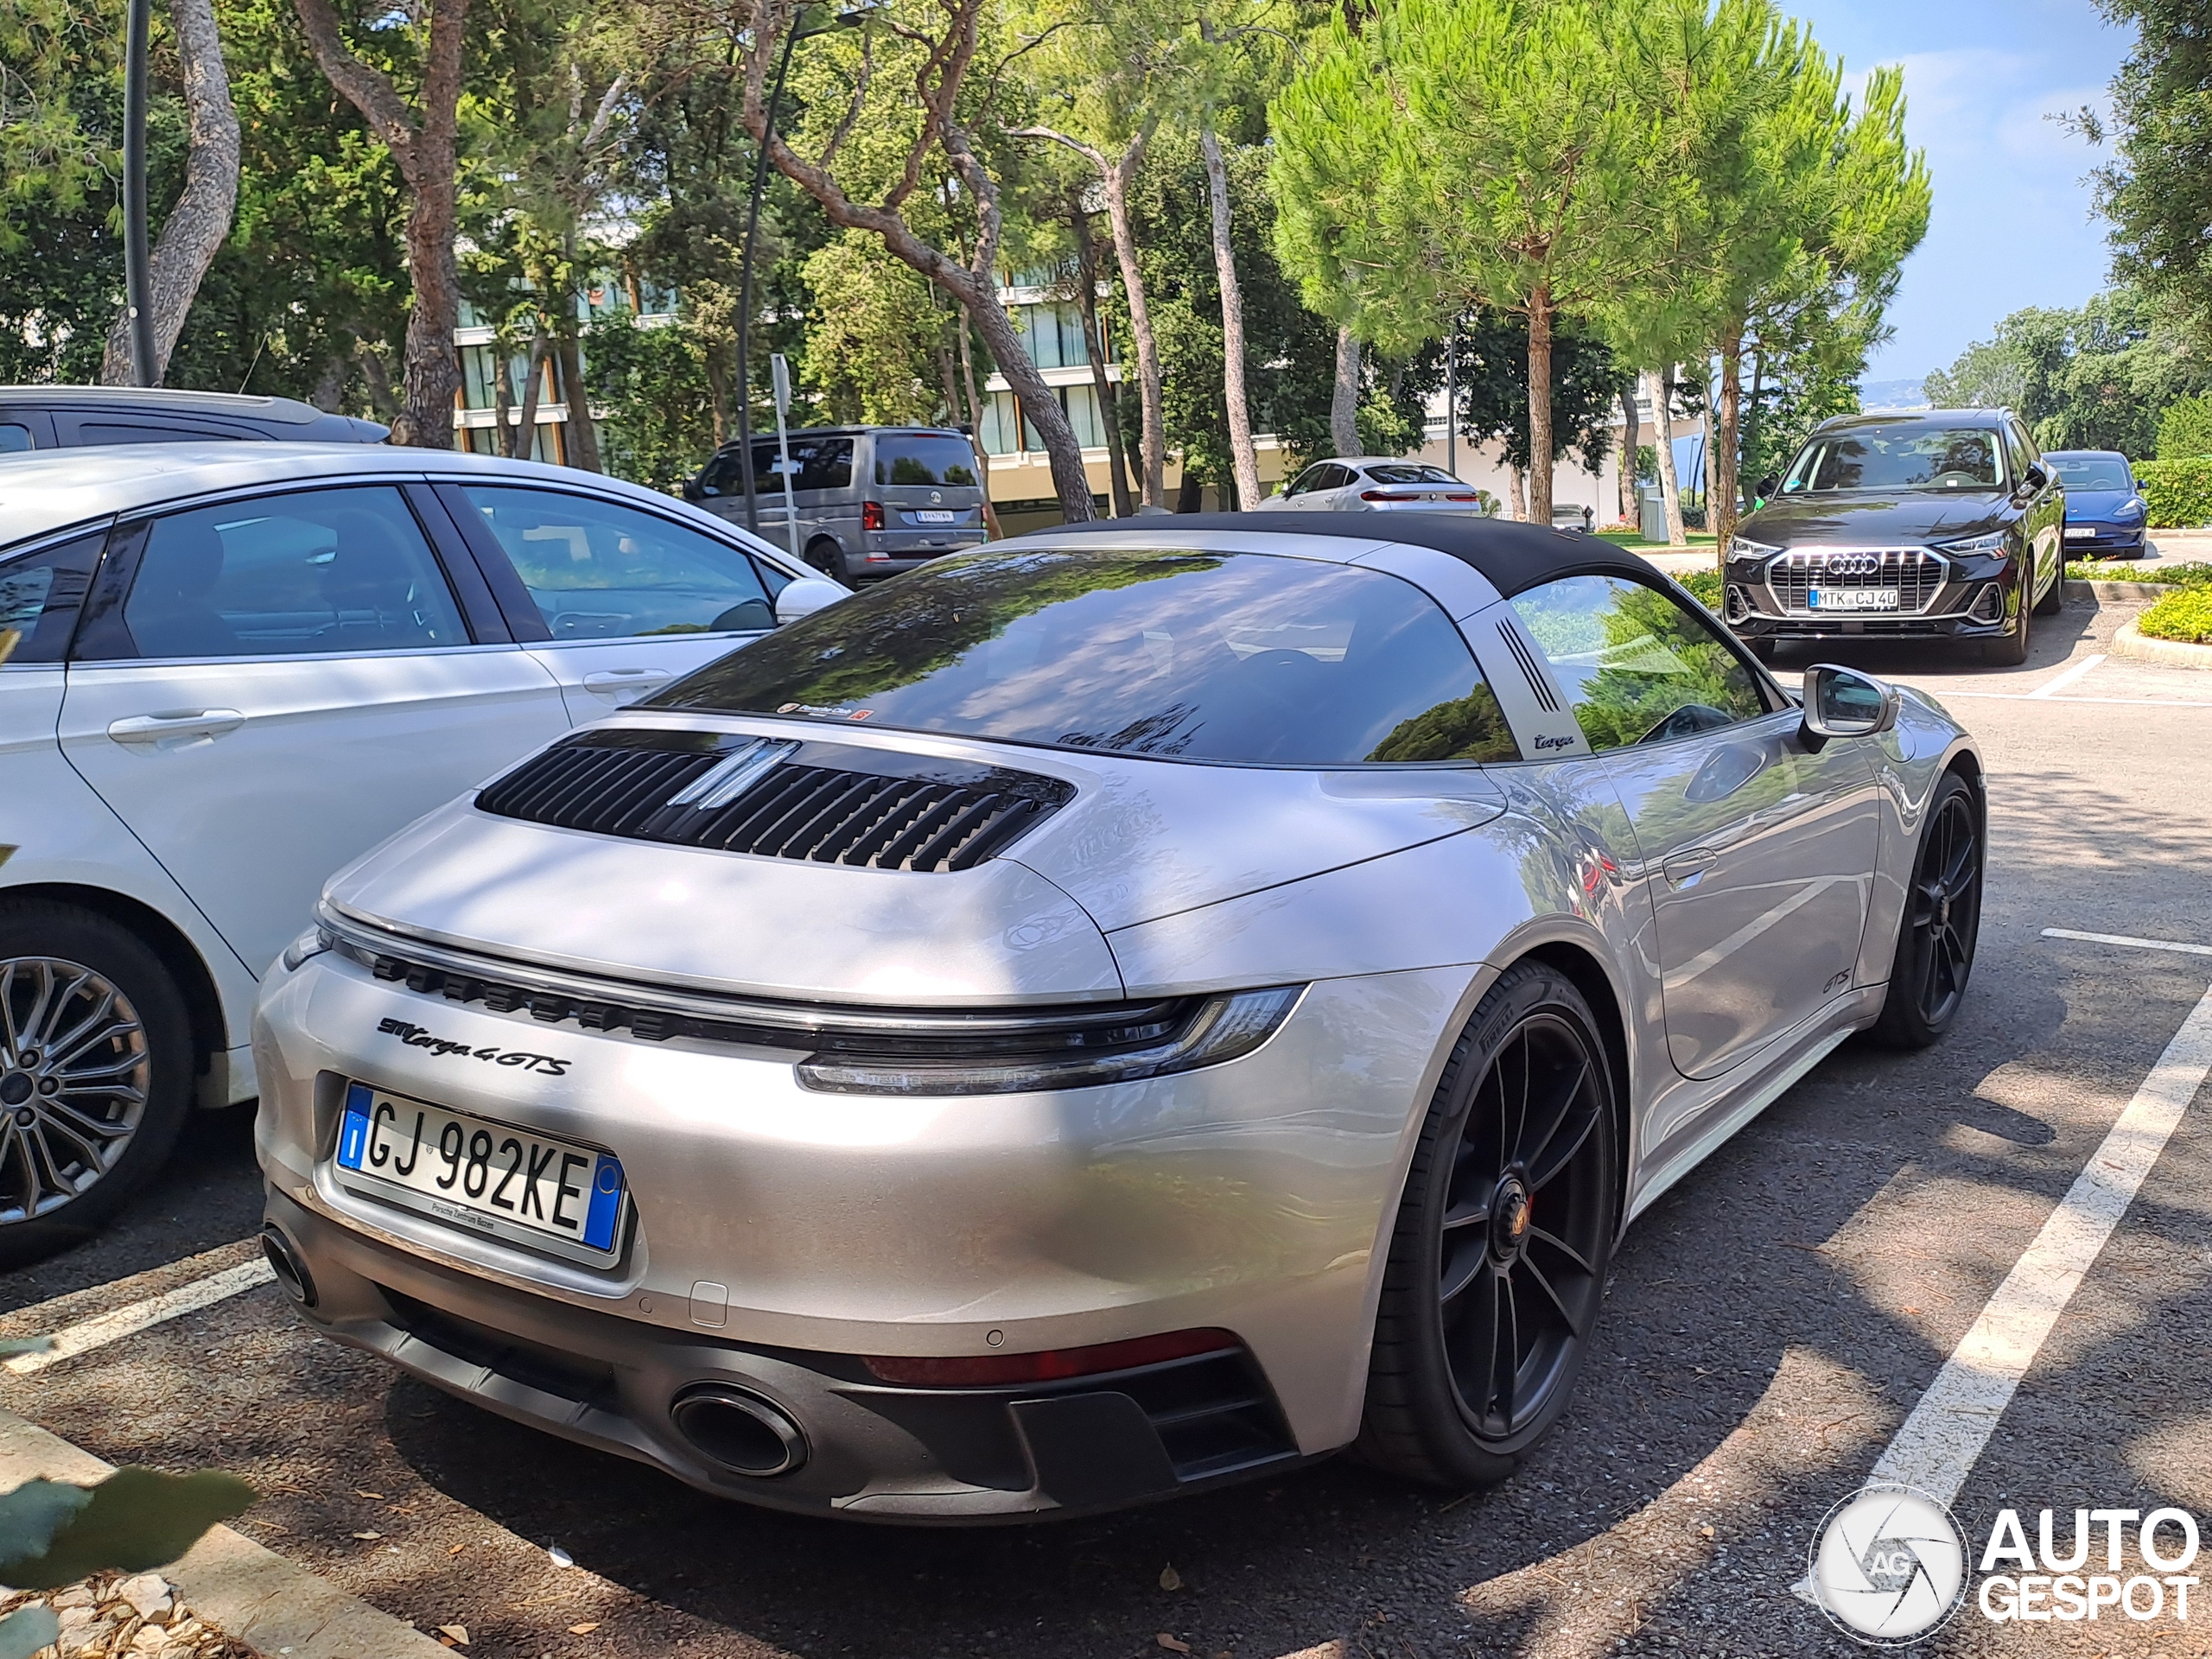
{"x":2122,"y":938}
{"x":1936,"y":1448}
{"x":135,"y":1317}
{"x":2073,"y":676}
{"x":1941,"y":1442}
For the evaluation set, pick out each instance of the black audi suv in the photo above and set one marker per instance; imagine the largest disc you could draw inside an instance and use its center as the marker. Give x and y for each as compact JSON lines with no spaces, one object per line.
{"x":1940,"y":525}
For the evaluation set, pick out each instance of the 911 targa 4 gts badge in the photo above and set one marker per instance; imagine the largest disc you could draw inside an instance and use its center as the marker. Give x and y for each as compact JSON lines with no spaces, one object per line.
{"x":414,"y":1037}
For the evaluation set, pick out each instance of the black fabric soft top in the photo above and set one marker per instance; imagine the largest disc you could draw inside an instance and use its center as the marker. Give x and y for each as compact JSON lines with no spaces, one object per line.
{"x":1513,"y":556}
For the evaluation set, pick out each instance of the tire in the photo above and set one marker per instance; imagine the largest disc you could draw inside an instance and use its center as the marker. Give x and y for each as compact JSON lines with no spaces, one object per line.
{"x":84,"y":1126}
{"x":2054,"y":601}
{"x":1942,"y":921}
{"x":2011,"y":649}
{"x":825,"y":556}
{"x":1469,"y":1265}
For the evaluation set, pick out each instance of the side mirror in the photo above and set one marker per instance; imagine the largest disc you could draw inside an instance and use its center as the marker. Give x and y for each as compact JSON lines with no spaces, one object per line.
{"x":693,"y":489}
{"x":1843,"y":702}
{"x":1769,"y":488}
{"x":2034,"y":477}
{"x":805,"y":595}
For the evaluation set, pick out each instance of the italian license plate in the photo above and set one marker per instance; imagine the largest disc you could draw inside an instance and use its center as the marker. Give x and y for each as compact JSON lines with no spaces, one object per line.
{"x":482,"y":1176}
{"x":1852,"y":599}
{"x":935,"y":516}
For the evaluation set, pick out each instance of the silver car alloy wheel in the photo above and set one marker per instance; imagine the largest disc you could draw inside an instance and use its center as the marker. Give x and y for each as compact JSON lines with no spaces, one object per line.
{"x":74,"y":1074}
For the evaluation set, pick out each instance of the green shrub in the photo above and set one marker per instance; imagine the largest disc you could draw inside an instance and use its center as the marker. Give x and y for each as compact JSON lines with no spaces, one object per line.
{"x":1706,"y":586}
{"x":2185,"y":429}
{"x":2176,"y":492}
{"x":2186,"y":616}
{"x":2194,"y":574}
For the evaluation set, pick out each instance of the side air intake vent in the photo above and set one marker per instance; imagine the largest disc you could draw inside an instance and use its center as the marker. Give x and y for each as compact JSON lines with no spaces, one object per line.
{"x":826,"y":802}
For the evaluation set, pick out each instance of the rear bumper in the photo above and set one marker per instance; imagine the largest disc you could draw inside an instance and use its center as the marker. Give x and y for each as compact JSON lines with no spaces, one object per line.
{"x":866,"y":1450}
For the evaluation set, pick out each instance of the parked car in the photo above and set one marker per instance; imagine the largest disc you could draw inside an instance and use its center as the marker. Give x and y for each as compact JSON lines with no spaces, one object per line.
{"x":1942,"y":525}
{"x":2104,"y":514}
{"x":871,"y":500}
{"x":1122,"y":1010}
{"x":224,"y":671}
{"x":66,"y":417}
{"x":1377,"y":483}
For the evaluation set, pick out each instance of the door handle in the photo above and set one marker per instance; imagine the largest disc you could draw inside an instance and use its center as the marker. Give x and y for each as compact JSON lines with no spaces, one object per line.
{"x":1684,"y":868}
{"x":615,"y":682}
{"x":195,"y":722}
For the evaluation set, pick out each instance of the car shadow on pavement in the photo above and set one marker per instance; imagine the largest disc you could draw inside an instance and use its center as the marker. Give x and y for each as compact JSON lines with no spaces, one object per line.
{"x":2052,"y":642}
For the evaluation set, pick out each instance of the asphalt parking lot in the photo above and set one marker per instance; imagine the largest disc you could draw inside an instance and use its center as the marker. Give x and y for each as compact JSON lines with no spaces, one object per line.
{"x":1770,"y":1326}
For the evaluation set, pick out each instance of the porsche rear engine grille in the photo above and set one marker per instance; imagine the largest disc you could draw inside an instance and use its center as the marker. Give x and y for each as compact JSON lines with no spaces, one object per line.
{"x":825,"y":802}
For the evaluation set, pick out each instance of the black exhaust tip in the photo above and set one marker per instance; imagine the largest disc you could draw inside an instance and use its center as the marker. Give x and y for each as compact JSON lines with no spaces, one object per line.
{"x":742,"y":1432}
{"x":286,"y":1263}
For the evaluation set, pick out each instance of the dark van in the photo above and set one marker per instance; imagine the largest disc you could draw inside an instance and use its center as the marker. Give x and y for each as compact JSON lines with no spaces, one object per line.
{"x":871,"y":500}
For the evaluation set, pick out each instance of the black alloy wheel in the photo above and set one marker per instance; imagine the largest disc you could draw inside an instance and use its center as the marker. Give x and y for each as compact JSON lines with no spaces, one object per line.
{"x":1940,"y":922}
{"x":2054,"y":601}
{"x":96,"y":1062}
{"x":1497,"y":1263}
{"x":826,"y":556}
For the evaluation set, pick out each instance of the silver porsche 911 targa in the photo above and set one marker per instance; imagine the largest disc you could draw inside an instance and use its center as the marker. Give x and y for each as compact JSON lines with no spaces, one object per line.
{"x":1119,"y":1011}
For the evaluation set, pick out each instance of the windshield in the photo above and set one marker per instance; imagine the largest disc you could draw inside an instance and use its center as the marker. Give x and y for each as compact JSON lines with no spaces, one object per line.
{"x":1408,"y":473}
{"x":1192,"y":655}
{"x":1900,"y":458}
{"x":2092,"y":472}
{"x":904,"y":458}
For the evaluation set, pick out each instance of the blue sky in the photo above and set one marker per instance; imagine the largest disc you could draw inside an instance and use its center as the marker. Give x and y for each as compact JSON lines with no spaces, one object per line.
{"x":2012,"y":224}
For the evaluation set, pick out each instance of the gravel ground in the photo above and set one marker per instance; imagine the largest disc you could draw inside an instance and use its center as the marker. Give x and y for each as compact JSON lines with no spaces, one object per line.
{"x":1769,"y":1325}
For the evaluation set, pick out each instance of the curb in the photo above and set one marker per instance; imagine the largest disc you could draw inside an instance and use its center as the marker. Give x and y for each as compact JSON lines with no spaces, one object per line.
{"x":2174,"y":654}
{"x":246,"y":1591}
{"x":2141,"y":592}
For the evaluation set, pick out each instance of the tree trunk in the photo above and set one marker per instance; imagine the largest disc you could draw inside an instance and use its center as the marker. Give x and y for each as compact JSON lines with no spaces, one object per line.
{"x":1631,"y":441}
{"x":1242,"y":456}
{"x":976,"y":408}
{"x":1539,"y":406}
{"x":1662,"y":444}
{"x":1152,"y":440}
{"x":1191,"y":492}
{"x":1094,"y":350}
{"x":1519,"y":480}
{"x":422,"y":148}
{"x":522,"y":443}
{"x":1343,"y":400}
{"x":1070,"y":481}
{"x":192,"y":232}
{"x":583,"y":437}
{"x":1720,"y":506}
{"x":503,"y":394}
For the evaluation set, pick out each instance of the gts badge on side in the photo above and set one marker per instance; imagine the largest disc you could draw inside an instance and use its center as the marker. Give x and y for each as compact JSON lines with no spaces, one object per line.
{"x":414,"y":1037}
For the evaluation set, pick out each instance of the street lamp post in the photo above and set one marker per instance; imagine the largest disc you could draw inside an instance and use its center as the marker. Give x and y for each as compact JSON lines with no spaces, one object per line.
{"x":138,"y":279}
{"x":845,"y":20}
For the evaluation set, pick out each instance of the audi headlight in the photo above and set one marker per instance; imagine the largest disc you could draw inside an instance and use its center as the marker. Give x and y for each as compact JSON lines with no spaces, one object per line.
{"x":313,"y":943}
{"x":1743,"y":547}
{"x":1225,"y":1027}
{"x":1993,"y":543}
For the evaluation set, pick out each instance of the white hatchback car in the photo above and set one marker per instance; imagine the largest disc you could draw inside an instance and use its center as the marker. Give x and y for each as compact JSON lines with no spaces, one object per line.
{"x":226,"y":669}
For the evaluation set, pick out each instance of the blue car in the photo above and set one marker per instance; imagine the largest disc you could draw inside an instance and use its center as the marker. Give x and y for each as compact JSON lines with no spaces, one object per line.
{"x":2104,"y":509}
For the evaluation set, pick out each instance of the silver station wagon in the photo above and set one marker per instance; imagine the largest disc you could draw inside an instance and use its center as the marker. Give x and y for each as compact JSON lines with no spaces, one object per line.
{"x":1120,"y":1011}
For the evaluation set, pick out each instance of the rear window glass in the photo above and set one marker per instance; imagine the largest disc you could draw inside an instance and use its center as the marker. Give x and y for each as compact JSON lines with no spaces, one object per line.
{"x":1401,"y":474}
{"x":906,"y":460}
{"x":2092,"y":472}
{"x":1186,"y":656}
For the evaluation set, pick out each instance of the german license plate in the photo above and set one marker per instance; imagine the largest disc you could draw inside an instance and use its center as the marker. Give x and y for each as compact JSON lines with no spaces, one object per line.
{"x":935,"y":516}
{"x":485,"y":1177}
{"x":1852,"y":599}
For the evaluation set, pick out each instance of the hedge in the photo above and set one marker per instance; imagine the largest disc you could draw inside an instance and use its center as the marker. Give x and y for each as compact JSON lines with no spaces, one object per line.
{"x":2185,"y":429}
{"x":2186,"y":615}
{"x":2178,"y":493}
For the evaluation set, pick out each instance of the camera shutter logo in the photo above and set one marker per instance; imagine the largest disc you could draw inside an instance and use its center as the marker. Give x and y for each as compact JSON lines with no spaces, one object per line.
{"x":1889,"y":1565}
